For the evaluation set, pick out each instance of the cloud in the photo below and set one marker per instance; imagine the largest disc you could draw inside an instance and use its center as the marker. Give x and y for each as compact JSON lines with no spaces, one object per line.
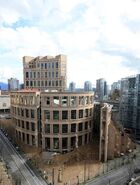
{"x":101,"y":38}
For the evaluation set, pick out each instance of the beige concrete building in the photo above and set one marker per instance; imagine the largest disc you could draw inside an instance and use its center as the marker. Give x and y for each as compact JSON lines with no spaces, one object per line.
{"x":114,"y":142}
{"x":67,"y":120}
{"x":45,"y":72}
{"x":57,"y":121}
{"x":25,"y":110}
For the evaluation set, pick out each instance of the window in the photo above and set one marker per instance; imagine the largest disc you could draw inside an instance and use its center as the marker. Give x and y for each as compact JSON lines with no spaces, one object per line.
{"x":47,"y":114}
{"x":30,"y":74}
{"x":81,"y":100}
{"x":47,"y":143}
{"x":90,"y":111}
{"x":73,"y":114}
{"x":60,"y":83}
{"x":47,"y":128}
{"x":38,"y":74}
{"x":86,"y":125}
{"x":38,"y":65}
{"x":64,"y":143}
{"x":52,"y":65}
{"x":38,"y":83}
{"x":79,"y":140}
{"x":22,"y":124}
{"x":87,"y":99}
{"x":33,"y":140}
{"x":42,"y":83}
{"x":55,"y":129}
{"x":52,"y":74}
{"x":27,"y":83}
{"x":19,"y":123}
{"x":27,"y":138}
{"x":49,"y":74}
{"x":22,"y":112}
{"x":73,"y":100}
{"x":56,"y":74}
{"x":80,"y":127}
{"x":64,"y":114}
{"x":49,"y":83}
{"x":49,"y":65}
{"x":64,"y":100}
{"x":27,"y":113}
{"x":23,"y":137}
{"x":56,"y":115}
{"x":32,"y":114}
{"x":45,"y":74}
{"x":34,"y":74}
{"x":31,"y":83}
{"x":56,"y":83}
{"x":42,"y":65}
{"x":56,"y":100}
{"x":73,"y":127}
{"x":45,"y":65}
{"x":86,"y":112}
{"x":27,"y":75}
{"x":64,"y":128}
{"x":27,"y":125}
{"x":85,"y":138}
{"x":52,"y":83}
{"x":56,"y":64}
{"x":80,"y":113}
{"x":32,"y":126}
{"x":48,"y":101}
{"x":56,"y":143}
{"x":73,"y":141}
{"x":46,"y":84}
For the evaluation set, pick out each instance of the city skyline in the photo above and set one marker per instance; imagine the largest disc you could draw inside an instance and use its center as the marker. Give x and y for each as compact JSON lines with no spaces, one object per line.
{"x":99,"y":38}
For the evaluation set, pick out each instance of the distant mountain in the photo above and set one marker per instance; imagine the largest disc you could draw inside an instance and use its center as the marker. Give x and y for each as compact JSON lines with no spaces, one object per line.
{"x":3,"y":86}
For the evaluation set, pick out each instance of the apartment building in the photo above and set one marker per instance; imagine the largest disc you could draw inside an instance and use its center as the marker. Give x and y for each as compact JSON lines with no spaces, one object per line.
{"x":13,"y":84}
{"x":45,"y":72}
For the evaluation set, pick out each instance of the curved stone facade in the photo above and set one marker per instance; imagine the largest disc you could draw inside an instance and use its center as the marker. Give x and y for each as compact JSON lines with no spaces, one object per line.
{"x":67,"y":120}
{"x":25,"y":106}
{"x":59,"y":121}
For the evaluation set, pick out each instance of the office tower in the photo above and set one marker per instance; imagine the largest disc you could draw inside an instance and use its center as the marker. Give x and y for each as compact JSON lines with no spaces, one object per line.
{"x":101,"y":89}
{"x":72,"y":86}
{"x":115,"y":85}
{"x":130,"y":104}
{"x":87,"y":86}
{"x":13,"y":84}
{"x":45,"y":72}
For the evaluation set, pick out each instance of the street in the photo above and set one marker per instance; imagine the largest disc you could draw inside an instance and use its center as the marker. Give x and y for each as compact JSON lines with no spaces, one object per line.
{"x":117,"y":176}
{"x":16,"y":164}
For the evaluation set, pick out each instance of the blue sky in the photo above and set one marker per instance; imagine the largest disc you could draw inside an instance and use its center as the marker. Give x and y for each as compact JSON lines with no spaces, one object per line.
{"x":100,"y":37}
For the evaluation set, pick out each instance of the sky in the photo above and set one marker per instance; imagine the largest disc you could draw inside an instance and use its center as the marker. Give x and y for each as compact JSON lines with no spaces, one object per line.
{"x":101,"y":38}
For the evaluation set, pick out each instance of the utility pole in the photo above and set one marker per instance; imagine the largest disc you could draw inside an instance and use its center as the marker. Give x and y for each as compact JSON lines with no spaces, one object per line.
{"x":84,"y":170}
{"x":53,"y":176}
